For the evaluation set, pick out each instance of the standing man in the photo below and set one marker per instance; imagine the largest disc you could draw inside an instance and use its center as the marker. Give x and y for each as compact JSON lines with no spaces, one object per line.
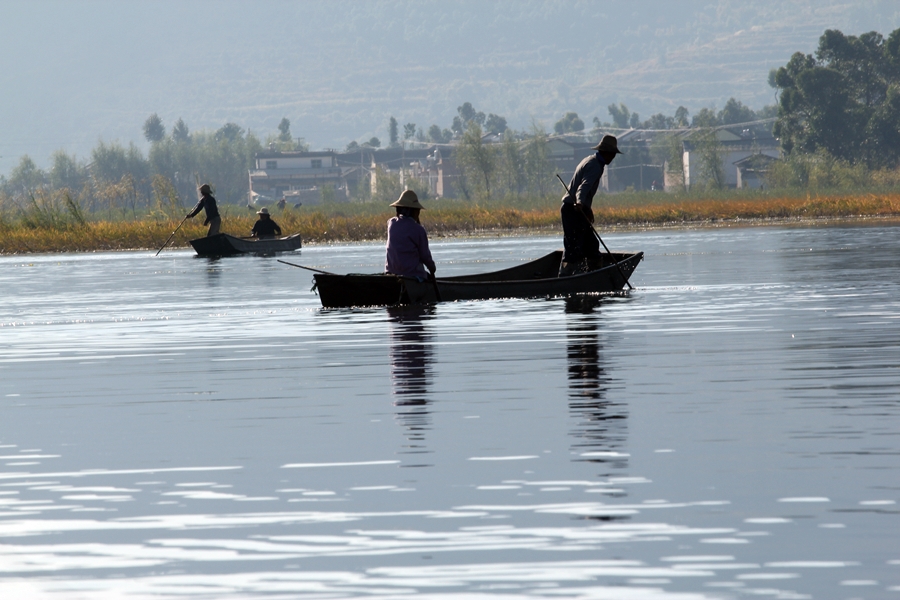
{"x":407,"y":243}
{"x":581,"y":246}
{"x":208,"y":204}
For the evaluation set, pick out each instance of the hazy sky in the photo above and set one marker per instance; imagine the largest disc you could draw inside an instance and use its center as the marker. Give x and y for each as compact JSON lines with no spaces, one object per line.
{"x":75,"y":72}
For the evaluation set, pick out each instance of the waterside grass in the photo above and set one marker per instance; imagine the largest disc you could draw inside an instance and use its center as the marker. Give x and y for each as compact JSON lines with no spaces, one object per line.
{"x":361,"y":222}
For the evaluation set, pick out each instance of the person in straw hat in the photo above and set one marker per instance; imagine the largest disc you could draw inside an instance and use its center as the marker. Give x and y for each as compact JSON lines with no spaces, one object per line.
{"x":265,"y":227}
{"x":208,"y":204}
{"x":581,"y":248}
{"x":407,"y":242}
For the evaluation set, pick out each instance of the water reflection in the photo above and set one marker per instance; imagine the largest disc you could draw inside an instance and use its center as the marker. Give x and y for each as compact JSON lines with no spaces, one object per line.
{"x":599,"y":429}
{"x":213,"y":270}
{"x":411,"y":357}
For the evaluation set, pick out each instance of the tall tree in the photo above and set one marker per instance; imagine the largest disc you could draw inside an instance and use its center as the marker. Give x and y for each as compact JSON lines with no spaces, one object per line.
{"x":570,"y":123}
{"x":841,"y":99}
{"x":180,"y":132}
{"x":284,"y":127}
{"x":477,"y":161}
{"x":154,"y":130}
{"x":409,"y":131}
{"x":25,"y":177}
{"x":620,"y":114}
{"x":495,"y":123}
{"x":393,"y":132}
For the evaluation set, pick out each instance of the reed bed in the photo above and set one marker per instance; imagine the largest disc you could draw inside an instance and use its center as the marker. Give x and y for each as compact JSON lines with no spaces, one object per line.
{"x":343,"y":223}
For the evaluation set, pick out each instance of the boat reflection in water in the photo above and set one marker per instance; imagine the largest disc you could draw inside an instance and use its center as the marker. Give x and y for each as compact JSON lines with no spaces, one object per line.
{"x":600,"y":426}
{"x":411,"y":356}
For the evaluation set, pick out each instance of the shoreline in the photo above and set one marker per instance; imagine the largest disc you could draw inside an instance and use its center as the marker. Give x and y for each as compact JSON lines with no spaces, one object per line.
{"x":822,"y":221}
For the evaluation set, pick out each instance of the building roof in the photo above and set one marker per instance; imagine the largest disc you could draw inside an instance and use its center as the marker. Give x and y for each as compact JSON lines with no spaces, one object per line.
{"x":277,"y":154}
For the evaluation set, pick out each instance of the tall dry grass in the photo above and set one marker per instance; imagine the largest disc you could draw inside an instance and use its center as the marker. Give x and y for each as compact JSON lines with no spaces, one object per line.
{"x":68,"y":230}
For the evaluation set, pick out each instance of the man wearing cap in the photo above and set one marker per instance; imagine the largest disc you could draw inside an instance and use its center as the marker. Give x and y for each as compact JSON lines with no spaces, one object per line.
{"x":265,"y":227}
{"x":207,"y":203}
{"x":580,"y":244}
{"x":407,"y":243}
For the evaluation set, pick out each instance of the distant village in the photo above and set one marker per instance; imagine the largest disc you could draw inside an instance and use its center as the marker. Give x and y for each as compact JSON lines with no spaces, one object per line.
{"x":745,"y":150}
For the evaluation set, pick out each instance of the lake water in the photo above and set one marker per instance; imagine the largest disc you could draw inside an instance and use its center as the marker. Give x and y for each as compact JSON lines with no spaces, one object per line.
{"x":178,"y":427}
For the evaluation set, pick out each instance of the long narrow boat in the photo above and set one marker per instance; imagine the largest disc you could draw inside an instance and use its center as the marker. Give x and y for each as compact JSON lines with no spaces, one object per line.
{"x":535,"y":279}
{"x":223,"y":244}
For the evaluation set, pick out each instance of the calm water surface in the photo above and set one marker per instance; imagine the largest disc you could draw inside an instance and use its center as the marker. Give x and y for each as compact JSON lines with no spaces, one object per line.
{"x":177,"y":427}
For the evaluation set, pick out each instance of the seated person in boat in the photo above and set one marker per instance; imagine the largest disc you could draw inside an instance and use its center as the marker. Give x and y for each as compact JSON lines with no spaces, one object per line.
{"x":407,"y":243}
{"x":265,"y":228}
{"x":207,"y":203}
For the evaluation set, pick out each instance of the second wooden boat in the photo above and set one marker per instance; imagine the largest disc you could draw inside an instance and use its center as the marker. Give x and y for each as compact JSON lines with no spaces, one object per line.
{"x":535,"y":279}
{"x":223,"y":244}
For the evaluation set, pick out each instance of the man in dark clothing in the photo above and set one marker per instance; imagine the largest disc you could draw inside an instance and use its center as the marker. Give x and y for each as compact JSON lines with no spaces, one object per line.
{"x":265,"y":228}
{"x":581,"y":246}
{"x":208,"y":204}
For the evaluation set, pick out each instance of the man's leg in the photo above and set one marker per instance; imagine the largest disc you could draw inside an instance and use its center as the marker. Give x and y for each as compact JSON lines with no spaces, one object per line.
{"x":591,"y":246}
{"x":573,"y":253}
{"x":214,"y":226}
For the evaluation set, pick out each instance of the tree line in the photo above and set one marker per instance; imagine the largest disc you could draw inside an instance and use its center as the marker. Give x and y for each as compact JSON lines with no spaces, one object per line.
{"x":837,"y":117}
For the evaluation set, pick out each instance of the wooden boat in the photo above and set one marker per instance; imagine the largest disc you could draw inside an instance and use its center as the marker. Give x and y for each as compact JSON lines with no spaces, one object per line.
{"x":223,"y":244}
{"x":536,"y":279}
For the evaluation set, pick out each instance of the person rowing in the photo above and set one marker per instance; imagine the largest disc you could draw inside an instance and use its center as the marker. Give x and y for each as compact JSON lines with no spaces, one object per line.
{"x":581,"y":248}
{"x":407,"y":242}
{"x":207,"y":203}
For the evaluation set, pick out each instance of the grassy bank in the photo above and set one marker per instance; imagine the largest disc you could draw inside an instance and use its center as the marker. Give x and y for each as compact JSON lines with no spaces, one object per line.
{"x":358,"y":222}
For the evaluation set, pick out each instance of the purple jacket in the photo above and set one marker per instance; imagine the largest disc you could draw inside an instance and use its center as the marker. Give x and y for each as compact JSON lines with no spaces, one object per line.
{"x":407,"y":248}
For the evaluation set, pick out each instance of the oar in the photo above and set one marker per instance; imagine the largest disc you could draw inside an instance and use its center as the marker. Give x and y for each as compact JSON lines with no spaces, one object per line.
{"x":598,"y":236}
{"x":307,"y":268}
{"x":171,"y":236}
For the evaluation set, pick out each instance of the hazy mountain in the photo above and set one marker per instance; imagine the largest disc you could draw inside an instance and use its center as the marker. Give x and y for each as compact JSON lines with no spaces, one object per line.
{"x":75,"y":72}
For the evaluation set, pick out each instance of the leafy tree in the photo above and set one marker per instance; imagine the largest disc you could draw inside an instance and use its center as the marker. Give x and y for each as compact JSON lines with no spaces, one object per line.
{"x":409,"y":131}
{"x":843,"y":99}
{"x":736,"y":112}
{"x":352,"y":147}
{"x":620,"y":114}
{"x":154,"y":130}
{"x":510,"y":165}
{"x":434,"y":134}
{"x":458,"y":126}
{"x":635,"y":121}
{"x":495,"y":123}
{"x":373,"y":142}
{"x":570,"y":123}
{"x":681,"y":117}
{"x":536,"y":164}
{"x":476,"y":160}
{"x":229,"y":132}
{"x":468,"y":114}
{"x":26,"y":177}
{"x":65,"y":172}
{"x":659,"y":121}
{"x":393,"y":133}
{"x":180,"y":132}
{"x":707,"y":117}
{"x":284,"y":127}
{"x":711,"y":170}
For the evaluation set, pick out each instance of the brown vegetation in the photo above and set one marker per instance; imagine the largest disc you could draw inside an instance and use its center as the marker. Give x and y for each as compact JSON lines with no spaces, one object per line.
{"x":343,"y":223}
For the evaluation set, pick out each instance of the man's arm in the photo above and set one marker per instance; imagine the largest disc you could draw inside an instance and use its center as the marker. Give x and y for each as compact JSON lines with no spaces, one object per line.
{"x":195,"y":210}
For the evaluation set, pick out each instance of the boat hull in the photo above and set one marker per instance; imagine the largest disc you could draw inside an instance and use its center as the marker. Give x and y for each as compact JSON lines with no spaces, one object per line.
{"x":223,"y":244}
{"x":536,"y":279}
